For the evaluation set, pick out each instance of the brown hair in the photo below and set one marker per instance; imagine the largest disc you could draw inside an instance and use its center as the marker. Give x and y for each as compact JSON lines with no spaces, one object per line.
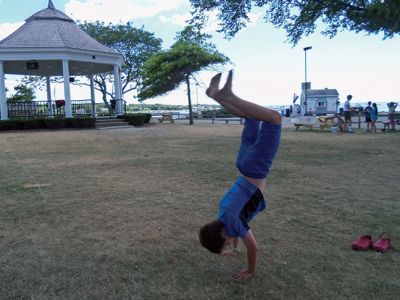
{"x":210,"y":236}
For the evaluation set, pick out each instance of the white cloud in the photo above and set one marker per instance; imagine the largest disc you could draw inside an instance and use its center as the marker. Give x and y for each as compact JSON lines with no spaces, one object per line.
{"x":7,"y":28}
{"x":176,"y":19}
{"x":213,"y":23}
{"x":180,"y":19}
{"x":118,"y":10}
{"x":254,"y":17}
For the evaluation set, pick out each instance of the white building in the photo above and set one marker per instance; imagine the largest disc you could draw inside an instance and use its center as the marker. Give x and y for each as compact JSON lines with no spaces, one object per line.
{"x":320,"y":102}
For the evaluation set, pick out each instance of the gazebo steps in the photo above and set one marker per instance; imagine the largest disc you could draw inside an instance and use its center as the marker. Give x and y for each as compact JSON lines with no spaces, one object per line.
{"x":110,"y":122}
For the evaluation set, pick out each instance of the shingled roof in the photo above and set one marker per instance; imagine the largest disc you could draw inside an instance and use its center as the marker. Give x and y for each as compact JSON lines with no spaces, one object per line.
{"x":51,"y":28}
{"x":322,"y":92}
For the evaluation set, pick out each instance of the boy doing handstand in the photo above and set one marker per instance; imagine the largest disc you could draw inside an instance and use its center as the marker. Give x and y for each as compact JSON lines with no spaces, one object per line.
{"x":259,"y":144}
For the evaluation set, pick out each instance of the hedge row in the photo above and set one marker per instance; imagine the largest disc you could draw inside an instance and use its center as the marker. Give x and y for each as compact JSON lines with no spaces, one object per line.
{"x":137,"y":119}
{"x":47,"y":123}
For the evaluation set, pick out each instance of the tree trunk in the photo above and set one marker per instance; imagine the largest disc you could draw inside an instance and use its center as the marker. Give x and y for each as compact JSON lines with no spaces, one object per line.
{"x":104,"y":97}
{"x":189,"y":100}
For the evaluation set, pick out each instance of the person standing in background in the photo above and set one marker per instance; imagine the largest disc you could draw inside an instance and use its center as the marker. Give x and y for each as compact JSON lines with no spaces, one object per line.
{"x":367,"y":114}
{"x":374,"y":117}
{"x":347,"y":115}
{"x":392,"y":110}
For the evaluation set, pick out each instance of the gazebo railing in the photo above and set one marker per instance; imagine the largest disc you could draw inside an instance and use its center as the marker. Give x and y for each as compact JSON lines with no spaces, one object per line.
{"x":36,"y":109}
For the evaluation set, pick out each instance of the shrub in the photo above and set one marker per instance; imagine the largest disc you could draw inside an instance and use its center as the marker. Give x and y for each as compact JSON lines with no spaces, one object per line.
{"x":136,"y":119}
{"x":54,"y":123}
{"x":11,"y":124}
{"x":48,"y":123}
{"x":147,"y":119}
{"x":87,"y":122}
{"x":33,"y":124}
{"x":219,"y":113}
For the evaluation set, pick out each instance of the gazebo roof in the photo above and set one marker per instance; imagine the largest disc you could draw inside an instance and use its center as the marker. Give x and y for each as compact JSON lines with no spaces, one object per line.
{"x":50,"y":36}
{"x":51,"y":28}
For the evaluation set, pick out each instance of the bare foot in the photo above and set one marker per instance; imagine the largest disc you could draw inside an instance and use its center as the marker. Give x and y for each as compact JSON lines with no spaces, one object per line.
{"x":217,"y":94}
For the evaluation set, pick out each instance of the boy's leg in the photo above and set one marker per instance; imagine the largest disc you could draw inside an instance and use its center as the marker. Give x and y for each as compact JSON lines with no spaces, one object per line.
{"x":250,"y":132}
{"x":268,"y":141}
{"x":239,"y":106}
{"x":248,"y":139}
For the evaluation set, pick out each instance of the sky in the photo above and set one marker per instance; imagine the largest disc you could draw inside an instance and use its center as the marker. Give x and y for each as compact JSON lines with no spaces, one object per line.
{"x":268,"y":70}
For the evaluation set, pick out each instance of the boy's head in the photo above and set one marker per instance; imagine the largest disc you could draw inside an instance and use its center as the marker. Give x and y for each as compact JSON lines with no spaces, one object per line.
{"x":349,"y":97}
{"x":211,"y":236}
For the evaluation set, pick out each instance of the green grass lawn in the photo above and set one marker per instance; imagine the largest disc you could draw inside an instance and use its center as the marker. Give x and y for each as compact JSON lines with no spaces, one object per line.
{"x":114,"y":214}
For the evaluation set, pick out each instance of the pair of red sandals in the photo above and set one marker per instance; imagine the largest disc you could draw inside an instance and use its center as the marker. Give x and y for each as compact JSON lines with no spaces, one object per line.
{"x":365,"y":242}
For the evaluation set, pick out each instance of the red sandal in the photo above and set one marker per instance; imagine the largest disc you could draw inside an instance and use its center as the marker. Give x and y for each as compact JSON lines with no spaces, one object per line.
{"x":383,"y":243}
{"x":363,"y":243}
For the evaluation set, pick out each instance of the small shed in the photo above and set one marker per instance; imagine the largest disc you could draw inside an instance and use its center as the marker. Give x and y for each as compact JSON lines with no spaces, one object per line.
{"x":320,"y":101}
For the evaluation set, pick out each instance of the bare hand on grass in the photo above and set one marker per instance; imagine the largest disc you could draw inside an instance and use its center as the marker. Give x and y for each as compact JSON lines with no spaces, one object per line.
{"x":228,"y":253}
{"x":242,"y":275}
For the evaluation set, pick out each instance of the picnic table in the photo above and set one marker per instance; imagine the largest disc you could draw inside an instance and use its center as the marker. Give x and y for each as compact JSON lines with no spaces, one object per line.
{"x":327,"y":122}
{"x":321,"y":122}
{"x":166,"y":117}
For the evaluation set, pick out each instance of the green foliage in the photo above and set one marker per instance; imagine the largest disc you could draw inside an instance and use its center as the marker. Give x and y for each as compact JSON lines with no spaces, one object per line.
{"x":299,"y":18}
{"x":23,"y":94}
{"x":47,"y":123}
{"x":54,"y":123}
{"x":137,"y":119}
{"x":219,"y":113}
{"x":156,"y":106}
{"x":11,"y":124}
{"x":85,"y":122}
{"x":166,"y":70}
{"x":135,"y":44}
{"x":147,"y":119}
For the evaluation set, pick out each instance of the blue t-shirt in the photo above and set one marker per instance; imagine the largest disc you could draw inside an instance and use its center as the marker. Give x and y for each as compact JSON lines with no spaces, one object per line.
{"x":374,"y":114}
{"x":367,"y":112}
{"x":239,"y":206}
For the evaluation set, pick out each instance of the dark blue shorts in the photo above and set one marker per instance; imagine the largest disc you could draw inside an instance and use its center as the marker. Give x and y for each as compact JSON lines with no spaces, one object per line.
{"x":259,"y":144}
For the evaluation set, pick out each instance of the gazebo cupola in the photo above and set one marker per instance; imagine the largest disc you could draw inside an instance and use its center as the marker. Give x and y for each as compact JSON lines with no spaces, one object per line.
{"x":51,"y":44}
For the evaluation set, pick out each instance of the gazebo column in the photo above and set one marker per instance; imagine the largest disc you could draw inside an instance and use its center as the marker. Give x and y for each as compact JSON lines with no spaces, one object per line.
{"x":48,"y":86}
{"x":67,"y":91}
{"x":118,"y":89}
{"x":3,"y":99}
{"x":92,"y":96}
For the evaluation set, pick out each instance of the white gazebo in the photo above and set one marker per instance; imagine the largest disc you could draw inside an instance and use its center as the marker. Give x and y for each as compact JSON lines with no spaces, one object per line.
{"x":51,"y":44}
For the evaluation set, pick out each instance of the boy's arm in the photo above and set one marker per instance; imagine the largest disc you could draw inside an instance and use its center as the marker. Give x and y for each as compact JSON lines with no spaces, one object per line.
{"x":252,"y":251}
{"x":231,"y":252}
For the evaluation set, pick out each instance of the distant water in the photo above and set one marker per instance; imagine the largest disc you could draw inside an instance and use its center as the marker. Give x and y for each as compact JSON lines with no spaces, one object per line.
{"x":382,"y":106}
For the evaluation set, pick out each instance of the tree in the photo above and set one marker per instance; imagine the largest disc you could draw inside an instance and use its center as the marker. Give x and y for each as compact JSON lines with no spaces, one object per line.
{"x":167,"y":70}
{"x":23,"y":94}
{"x":299,"y":17}
{"x":135,"y":44}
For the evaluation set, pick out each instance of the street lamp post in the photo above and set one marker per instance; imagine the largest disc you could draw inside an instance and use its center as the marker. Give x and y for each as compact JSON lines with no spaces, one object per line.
{"x":305,"y":75}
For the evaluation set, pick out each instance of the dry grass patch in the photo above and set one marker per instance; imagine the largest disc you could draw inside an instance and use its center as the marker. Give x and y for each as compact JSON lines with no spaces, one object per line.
{"x":115,"y":214}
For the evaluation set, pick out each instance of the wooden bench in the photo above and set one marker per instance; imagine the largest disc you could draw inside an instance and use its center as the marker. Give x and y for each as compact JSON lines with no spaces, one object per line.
{"x":166,"y":117}
{"x":227,"y":120}
{"x":308,"y":122}
{"x":298,"y":125}
{"x":393,"y":122}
